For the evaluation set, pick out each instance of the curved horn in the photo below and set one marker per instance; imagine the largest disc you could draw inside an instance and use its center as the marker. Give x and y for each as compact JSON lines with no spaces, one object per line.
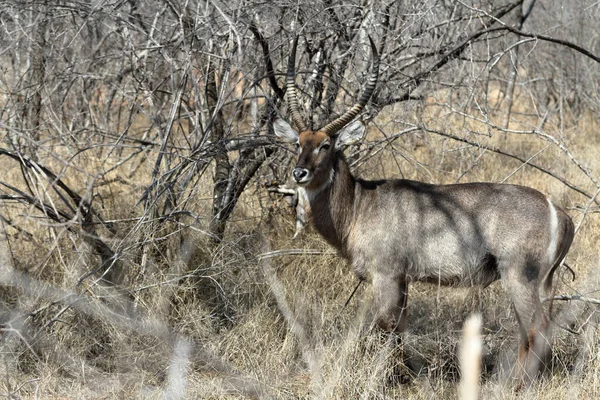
{"x":349,"y":115}
{"x":291,"y":89}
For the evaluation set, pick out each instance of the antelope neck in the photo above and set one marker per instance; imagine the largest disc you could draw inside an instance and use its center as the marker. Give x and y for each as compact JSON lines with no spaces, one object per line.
{"x":332,"y":205}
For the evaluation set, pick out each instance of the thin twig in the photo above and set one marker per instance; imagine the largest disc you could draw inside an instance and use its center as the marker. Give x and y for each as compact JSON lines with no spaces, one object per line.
{"x":576,"y":297}
{"x":295,"y":252}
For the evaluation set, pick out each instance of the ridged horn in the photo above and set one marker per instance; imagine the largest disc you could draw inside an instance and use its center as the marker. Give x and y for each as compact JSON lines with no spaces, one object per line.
{"x":338,"y":123}
{"x":292,"y":98}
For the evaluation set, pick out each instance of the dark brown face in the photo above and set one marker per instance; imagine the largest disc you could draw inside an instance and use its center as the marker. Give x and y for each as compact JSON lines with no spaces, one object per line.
{"x":315,"y":156}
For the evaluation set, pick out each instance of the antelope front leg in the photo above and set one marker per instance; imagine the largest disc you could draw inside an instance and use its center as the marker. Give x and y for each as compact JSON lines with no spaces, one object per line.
{"x":390,"y":299}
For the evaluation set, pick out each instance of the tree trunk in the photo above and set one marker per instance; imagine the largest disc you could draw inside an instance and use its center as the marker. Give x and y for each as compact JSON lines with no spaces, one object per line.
{"x":221,"y":177}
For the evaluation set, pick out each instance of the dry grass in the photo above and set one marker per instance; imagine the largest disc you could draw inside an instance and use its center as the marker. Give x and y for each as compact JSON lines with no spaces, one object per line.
{"x":238,"y":326}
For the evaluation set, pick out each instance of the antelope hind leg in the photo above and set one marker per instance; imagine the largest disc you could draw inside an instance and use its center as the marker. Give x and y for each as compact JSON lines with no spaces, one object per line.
{"x":534,"y":349}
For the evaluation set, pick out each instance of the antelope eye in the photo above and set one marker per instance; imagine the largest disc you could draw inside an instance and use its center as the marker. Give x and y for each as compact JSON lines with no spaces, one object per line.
{"x":325,"y":145}
{"x":296,"y":146}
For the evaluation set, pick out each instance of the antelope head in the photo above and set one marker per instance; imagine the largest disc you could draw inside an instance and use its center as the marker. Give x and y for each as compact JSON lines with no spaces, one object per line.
{"x":317,"y":149}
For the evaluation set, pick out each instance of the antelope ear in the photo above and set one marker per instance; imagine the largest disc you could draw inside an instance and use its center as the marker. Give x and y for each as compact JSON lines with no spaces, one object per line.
{"x":284,"y":131}
{"x":351,"y":134}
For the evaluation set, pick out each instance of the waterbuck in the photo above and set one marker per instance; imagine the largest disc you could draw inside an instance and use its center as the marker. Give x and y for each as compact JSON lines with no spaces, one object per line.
{"x":398,"y":231}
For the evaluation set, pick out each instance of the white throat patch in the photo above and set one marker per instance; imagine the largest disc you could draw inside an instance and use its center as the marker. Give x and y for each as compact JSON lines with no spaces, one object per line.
{"x":311,"y":194}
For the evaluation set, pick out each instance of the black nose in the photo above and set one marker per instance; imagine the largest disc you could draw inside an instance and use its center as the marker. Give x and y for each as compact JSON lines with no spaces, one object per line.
{"x":299,"y":174}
